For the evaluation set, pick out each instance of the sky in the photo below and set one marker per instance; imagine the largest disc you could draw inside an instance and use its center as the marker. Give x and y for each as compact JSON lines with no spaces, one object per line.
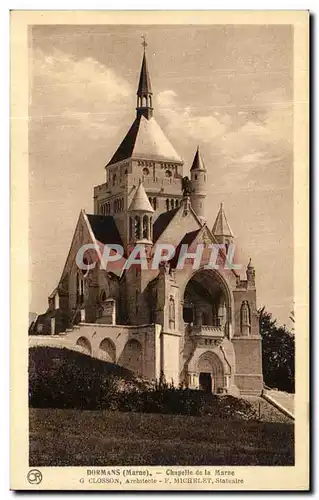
{"x":226,"y":88}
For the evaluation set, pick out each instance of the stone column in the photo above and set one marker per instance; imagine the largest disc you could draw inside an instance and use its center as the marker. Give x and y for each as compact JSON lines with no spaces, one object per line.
{"x":82,"y":315}
{"x":222,"y":313}
{"x":52,"y":326}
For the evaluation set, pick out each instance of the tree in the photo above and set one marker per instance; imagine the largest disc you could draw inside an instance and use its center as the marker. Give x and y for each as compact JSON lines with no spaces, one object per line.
{"x":278,"y":353}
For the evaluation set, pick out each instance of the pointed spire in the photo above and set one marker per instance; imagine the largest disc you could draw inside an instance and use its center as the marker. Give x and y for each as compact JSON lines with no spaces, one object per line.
{"x":140,"y":202}
{"x":198,"y":163}
{"x":221,"y":226}
{"x":144,"y":84}
{"x":144,"y":89}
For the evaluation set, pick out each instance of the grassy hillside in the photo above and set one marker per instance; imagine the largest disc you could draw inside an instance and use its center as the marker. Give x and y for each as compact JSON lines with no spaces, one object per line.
{"x":99,"y":438}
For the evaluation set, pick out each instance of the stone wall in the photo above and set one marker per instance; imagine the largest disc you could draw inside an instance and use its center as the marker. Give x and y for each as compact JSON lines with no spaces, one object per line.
{"x":124,"y":340}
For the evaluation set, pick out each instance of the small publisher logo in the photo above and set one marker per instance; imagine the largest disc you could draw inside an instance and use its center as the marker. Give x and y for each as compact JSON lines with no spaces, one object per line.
{"x":34,"y":476}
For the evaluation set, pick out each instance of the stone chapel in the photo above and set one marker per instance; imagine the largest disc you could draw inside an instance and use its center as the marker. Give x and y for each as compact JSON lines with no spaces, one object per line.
{"x":196,"y":327}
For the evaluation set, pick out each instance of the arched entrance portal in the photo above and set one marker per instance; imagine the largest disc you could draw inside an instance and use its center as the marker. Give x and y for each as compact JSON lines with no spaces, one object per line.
{"x":207,"y":301}
{"x":211,"y":373}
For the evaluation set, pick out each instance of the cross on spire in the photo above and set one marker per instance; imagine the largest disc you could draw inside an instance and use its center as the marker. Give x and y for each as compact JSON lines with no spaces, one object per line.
{"x":144,"y":43}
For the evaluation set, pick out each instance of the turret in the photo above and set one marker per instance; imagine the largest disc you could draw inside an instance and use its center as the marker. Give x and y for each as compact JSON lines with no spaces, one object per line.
{"x":198,"y":185}
{"x":251,"y":277}
{"x":140,"y":217}
{"x":221,"y":229}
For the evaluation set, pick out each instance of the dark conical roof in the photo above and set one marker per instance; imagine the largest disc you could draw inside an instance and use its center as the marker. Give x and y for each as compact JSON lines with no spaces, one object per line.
{"x":221,"y":226}
{"x":198,"y":163}
{"x":145,"y":140}
{"x":144,"y":84}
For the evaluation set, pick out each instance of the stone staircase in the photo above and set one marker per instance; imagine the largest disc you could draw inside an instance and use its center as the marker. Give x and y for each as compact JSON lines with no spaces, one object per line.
{"x":282,"y":400}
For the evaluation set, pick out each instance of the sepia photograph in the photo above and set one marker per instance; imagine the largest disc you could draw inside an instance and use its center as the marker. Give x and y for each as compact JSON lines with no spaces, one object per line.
{"x":161,"y":250}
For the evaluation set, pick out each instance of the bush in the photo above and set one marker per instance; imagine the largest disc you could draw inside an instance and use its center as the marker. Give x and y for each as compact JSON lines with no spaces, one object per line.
{"x":60,"y":378}
{"x":278,"y":353}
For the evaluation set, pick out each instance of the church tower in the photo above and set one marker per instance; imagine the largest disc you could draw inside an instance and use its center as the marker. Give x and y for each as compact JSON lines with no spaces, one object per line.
{"x":144,"y":154}
{"x":198,"y":183}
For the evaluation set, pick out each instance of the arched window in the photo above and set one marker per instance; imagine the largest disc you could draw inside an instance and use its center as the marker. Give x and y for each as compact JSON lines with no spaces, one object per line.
{"x":167,"y":204}
{"x":154,"y":203}
{"x":171,"y":308}
{"x":146,"y":171}
{"x":130,"y":224}
{"x":151,"y":229}
{"x":172,"y":204}
{"x":176,"y":203}
{"x":226,"y":245}
{"x":137,"y":226}
{"x":79,"y":289}
{"x":114,"y":179}
{"x":145,"y":227}
{"x":195,"y":177}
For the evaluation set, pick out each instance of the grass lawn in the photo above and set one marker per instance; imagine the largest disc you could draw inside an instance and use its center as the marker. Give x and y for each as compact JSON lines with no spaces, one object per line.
{"x":103,"y":438}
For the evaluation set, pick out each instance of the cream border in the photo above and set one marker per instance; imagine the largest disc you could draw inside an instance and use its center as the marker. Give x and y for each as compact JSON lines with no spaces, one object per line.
{"x":259,"y":478}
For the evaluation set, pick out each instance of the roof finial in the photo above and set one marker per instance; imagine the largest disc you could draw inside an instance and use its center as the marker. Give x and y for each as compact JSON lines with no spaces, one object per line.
{"x":221,"y":205}
{"x":144,"y":43}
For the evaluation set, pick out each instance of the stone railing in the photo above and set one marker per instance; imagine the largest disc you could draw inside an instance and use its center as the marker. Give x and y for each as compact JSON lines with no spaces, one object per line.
{"x":210,"y":331}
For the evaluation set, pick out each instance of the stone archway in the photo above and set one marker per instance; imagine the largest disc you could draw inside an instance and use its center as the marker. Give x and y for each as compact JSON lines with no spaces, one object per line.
{"x":207,"y":301}
{"x":84,"y":345}
{"x":210,"y":370}
{"x":132,"y":357}
{"x":107,"y":350}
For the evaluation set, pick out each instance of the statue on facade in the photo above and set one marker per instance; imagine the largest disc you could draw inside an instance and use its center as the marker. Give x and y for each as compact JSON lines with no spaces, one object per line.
{"x":245,"y":318}
{"x":186,"y":186}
